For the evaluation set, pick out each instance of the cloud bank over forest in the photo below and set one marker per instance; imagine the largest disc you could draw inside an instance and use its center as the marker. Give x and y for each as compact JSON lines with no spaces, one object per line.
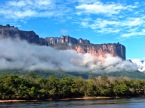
{"x":18,"y":54}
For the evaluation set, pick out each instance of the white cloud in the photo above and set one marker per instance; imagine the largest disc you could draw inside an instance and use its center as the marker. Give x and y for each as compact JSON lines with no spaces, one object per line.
{"x":142,"y":33}
{"x":17,"y":3}
{"x":29,"y":3}
{"x":134,"y":21}
{"x":96,"y":9}
{"x":108,"y":30}
{"x":126,"y":27}
{"x":25,"y":13}
{"x":21,"y":55}
{"x":102,"y":26}
{"x":22,"y":9}
{"x":140,"y":64}
{"x":103,"y":23}
{"x":100,"y":8}
{"x":133,"y":27}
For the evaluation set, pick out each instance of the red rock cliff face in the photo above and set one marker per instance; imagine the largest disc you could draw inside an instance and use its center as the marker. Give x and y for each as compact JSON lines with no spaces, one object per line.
{"x":84,"y":46}
{"x":102,"y":49}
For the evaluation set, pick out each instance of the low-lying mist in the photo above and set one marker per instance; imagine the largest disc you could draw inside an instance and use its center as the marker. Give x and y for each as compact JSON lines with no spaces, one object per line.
{"x":18,"y":54}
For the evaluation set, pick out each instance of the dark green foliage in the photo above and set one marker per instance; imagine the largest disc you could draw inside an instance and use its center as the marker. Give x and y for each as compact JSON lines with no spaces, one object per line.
{"x":34,"y":87}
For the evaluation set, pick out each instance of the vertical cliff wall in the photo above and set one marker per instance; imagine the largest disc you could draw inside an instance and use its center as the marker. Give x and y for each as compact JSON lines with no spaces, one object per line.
{"x":64,"y":42}
{"x":115,"y":49}
{"x":84,"y":46}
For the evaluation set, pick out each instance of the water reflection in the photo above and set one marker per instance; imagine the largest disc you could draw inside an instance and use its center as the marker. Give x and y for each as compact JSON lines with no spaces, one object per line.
{"x":108,"y":103}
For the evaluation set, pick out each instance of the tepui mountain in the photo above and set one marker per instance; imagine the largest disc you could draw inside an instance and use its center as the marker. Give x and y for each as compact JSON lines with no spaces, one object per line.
{"x":65,"y":42}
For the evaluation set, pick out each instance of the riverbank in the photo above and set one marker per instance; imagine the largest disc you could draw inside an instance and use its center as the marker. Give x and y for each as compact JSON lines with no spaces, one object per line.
{"x":88,"y":98}
{"x":64,"y":99}
{"x":13,"y":101}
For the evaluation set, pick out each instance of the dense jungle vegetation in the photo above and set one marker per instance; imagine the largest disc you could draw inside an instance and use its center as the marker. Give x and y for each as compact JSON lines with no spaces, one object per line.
{"x":33,"y":87}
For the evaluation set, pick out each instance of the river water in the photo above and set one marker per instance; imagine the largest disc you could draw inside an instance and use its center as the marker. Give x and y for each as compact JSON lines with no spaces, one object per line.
{"x":105,"y":103}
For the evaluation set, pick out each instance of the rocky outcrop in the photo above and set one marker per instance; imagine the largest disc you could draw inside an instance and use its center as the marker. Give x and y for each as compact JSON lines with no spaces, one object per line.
{"x":65,"y":42}
{"x":12,"y":32}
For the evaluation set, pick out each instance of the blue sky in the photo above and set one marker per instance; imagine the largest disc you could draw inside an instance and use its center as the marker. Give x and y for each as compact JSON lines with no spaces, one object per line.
{"x":100,"y":21}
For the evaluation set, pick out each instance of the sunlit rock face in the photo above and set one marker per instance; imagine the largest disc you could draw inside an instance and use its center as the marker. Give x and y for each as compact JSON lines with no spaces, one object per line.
{"x":65,"y":42}
{"x":102,"y":50}
{"x":84,"y":46}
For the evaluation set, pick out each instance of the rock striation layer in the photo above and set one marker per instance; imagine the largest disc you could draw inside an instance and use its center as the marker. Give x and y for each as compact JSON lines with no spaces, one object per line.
{"x":65,"y":42}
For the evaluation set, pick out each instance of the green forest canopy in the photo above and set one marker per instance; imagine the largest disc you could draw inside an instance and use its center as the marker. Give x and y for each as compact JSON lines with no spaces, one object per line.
{"x":33,"y":87}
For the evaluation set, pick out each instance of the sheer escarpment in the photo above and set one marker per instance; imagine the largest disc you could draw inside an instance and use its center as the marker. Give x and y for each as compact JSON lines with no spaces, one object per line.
{"x":65,"y":42}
